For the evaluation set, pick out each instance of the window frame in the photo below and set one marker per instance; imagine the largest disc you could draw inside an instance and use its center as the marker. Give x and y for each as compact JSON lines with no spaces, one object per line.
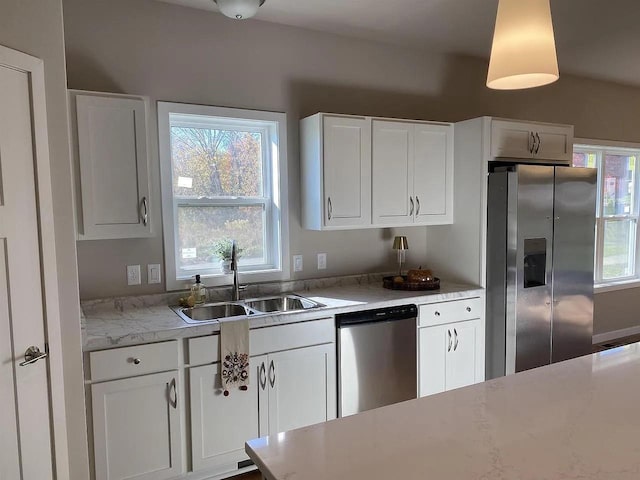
{"x":274,"y":195}
{"x":601,"y":147}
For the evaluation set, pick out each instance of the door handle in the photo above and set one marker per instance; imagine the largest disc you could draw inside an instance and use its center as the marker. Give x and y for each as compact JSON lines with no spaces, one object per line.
{"x":411,"y":208}
{"x":449,"y":334}
{"x":173,"y":388}
{"x":272,"y":374}
{"x":538,"y":142}
{"x":145,"y":211}
{"x":532,"y":142}
{"x":418,"y":206}
{"x":330,"y":208}
{"x":455,"y":343}
{"x":32,"y":355}
{"x":263,"y":376}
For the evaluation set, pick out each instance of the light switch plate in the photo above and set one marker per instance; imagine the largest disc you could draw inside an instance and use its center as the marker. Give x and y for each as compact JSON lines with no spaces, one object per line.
{"x":133,"y":275}
{"x":154,"y":274}
{"x":322,"y":261}
{"x":297,"y":263}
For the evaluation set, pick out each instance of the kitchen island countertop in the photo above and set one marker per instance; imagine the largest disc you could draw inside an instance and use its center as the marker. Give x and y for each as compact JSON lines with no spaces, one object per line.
{"x":571,"y":420}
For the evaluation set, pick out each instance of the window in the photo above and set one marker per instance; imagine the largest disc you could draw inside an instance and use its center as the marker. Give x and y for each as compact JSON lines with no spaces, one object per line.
{"x":223,"y":179}
{"x":617,"y":210}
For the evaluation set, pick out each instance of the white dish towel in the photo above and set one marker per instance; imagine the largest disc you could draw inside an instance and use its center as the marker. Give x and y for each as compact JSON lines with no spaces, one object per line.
{"x":234,"y":353}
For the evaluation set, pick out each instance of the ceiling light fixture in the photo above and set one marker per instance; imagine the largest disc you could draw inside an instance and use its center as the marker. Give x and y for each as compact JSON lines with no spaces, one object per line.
{"x":523,"y":54}
{"x":239,"y":9}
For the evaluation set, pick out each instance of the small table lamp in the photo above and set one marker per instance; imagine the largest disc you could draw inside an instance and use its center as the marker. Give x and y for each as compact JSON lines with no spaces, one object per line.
{"x":401,"y":245}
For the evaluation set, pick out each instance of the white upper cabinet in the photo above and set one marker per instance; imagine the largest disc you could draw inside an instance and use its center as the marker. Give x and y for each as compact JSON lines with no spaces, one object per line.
{"x":513,"y":139}
{"x":362,"y":172}
{"x":412,"y":173}
{"x":109,"y":134}
{"x":336,"y":172}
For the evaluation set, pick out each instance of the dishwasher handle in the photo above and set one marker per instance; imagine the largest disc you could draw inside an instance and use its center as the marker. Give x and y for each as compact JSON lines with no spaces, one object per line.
{"x":401,"y":312}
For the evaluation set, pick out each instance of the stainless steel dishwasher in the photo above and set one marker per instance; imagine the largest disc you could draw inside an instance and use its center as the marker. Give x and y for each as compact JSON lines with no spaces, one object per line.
{"x":377,"y":359}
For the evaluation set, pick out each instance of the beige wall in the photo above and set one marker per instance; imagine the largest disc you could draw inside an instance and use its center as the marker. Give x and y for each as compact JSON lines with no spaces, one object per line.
{"x":35,"y":27}
{"x":178,"y":54}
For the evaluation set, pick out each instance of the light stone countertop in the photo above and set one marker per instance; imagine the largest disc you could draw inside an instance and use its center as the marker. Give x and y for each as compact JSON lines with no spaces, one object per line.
{"x":129,"y":321}
{"x":571,"y":420}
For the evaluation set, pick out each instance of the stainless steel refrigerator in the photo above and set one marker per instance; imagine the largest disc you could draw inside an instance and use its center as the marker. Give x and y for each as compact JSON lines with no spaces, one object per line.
{"x":540,"y":257}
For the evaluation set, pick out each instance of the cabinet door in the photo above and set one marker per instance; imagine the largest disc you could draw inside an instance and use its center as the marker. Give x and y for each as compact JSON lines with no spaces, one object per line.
{"x":462,"y":360}
{"x":450,"y":356}
{"x":511,"y":139}
{"x":347,"y":171}
{"x":221,"y":425}
{"x":392,"y":170}
{"x":302,"y":387}
{"x":137,"y":428}
{"x":433,"y":174}
{"x":433,"y":346}
{"x":555,"y":142}
{"x":114,"y":180}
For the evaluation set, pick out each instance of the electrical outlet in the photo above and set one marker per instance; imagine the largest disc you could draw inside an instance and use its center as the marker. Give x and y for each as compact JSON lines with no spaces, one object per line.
{"x":297,"y":263}
{"x":133,"y":275}
{"x":322,"y":261}
{"x":154,"y":274}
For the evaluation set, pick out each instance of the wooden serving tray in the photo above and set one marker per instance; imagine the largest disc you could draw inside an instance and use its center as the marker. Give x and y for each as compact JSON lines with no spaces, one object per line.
{"x":387,"y":282}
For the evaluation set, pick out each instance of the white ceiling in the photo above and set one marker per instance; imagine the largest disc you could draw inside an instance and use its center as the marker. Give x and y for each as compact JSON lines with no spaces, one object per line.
{"x":595,"y":38}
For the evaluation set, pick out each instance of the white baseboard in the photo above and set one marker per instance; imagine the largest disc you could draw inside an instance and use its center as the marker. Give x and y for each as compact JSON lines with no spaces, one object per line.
{"x":615,"y":334}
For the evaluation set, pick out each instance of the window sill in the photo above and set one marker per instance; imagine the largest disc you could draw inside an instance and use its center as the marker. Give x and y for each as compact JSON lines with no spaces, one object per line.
{"x":226,"y":279}
{"x":613,"y":286}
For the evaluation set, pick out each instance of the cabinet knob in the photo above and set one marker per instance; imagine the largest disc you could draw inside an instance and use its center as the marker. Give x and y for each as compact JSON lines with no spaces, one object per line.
{"x":468,"y":309}
{"x":437,"y":314}
{"x":136,"y":361}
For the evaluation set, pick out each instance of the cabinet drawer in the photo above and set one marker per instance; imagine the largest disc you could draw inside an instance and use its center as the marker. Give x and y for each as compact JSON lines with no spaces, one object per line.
{"x":132,"y":361}
{"x":203,"y":350}
{"x":446,"y":312}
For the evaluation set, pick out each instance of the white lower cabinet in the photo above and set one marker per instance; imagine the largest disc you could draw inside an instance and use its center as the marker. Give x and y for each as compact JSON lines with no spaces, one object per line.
{"x":450,"y":353}
{"x":300,"y":388}
{"x":137,"y":428}
{"x":220,"y":425}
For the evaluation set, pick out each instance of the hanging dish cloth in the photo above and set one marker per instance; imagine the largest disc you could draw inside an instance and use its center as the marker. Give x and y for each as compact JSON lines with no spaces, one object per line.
{"x":234,"y":350}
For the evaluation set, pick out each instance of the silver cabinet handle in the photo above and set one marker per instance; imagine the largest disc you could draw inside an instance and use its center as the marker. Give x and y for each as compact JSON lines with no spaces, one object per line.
{"x":136,"y":361}
{"x":32,"y":355}
{"x":437,"y":314}
{"x":145,"y":211}
{"x":537,"y":143}
{"x":173,"y":388}
{"x":411,"y":203}
{"x":263,"y":376}
{"x":272,"y":374}
{"x":418,"y":206}
{"x":532,"y":142}
{"x":330,"y":208}
{"x":469,"y":309}
{"x":455,"y":343}
{"x":449,"y":334}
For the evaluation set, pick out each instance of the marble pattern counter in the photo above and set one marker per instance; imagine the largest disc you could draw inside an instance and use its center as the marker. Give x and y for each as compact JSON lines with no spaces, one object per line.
{"x":571,"y":420}
{"x":128,"y":321}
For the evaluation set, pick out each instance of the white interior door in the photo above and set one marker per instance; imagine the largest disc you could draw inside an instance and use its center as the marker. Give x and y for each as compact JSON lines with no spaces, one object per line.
{"x":25,"y":443}
{"x":392,"y":172}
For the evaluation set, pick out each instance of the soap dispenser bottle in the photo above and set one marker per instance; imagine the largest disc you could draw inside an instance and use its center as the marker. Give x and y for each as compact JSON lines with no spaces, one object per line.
{"x":198,"y":292}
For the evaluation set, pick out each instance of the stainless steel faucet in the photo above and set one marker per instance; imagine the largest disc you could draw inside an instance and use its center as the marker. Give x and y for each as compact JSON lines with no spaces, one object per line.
{"x":235,"y":295}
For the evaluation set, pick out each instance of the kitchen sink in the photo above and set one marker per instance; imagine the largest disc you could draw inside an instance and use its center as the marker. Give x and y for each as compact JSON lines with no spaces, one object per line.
{"x":282,"y":303}
{"x":212,"y":311}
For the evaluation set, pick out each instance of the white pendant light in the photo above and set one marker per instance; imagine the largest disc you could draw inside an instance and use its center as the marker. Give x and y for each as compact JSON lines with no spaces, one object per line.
{"x":523,"y":54}
{"x":239,"y":9}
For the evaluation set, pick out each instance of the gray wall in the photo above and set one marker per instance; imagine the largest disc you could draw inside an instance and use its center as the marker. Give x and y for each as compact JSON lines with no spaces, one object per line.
{"x":35,"y":27}
{"x":178,"y":54}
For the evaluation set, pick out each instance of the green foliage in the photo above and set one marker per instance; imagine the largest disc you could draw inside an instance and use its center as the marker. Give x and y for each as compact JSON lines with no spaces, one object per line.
{"x":223,"y":248}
